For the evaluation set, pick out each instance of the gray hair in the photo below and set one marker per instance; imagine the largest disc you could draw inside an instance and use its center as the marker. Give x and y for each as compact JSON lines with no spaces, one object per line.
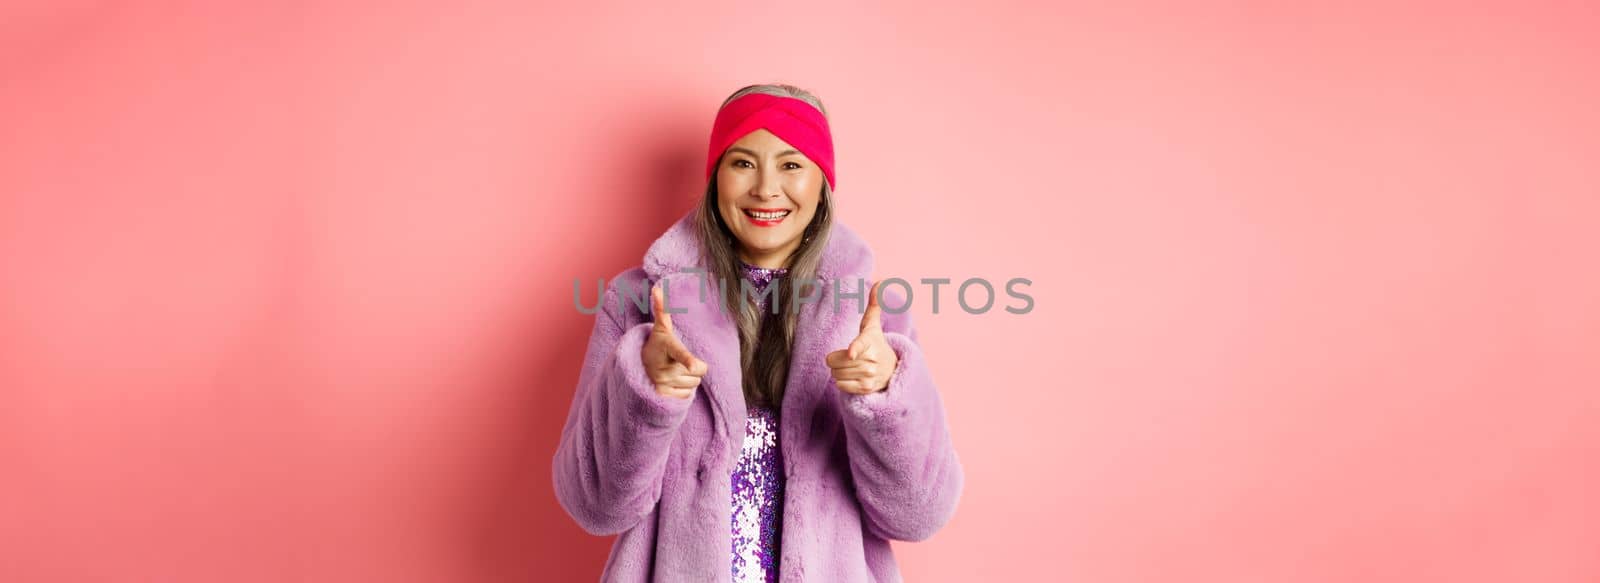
{"x":765,"y":339}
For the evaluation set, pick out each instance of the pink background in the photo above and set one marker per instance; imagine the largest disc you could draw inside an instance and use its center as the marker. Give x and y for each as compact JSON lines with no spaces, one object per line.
{"x":286,"y":291}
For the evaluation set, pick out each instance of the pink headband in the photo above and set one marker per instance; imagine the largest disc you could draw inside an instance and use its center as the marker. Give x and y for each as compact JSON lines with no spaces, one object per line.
{"x":792,"y":120}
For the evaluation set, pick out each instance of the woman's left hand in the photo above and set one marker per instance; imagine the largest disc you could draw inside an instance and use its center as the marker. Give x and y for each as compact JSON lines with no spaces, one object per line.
{"x":866,"y":365}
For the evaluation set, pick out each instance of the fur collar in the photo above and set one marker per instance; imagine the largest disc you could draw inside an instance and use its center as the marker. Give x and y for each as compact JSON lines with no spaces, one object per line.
{"x":710,"y":334}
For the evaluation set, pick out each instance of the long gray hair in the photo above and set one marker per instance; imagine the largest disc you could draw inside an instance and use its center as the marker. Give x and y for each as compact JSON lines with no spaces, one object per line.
{"x":765,"y":339}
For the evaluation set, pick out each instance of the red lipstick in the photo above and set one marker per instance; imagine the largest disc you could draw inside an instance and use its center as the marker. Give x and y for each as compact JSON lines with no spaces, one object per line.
{"x":767,"y":221}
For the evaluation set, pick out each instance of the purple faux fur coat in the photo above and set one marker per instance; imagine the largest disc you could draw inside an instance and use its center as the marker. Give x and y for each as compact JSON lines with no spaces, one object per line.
{"x":860,"y":470}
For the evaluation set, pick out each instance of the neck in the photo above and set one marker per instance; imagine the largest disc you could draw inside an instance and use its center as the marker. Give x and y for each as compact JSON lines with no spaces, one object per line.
{"x":770,"y":260}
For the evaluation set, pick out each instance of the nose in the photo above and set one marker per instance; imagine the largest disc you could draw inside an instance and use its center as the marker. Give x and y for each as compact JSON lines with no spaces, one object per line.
{"x":767,"y":186}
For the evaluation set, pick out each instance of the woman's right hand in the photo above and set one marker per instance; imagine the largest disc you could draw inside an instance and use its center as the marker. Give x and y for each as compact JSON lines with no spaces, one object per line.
{"x":674,"y":370}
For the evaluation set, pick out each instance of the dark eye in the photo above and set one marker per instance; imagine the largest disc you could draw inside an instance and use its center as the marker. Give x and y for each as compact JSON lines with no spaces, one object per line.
{"x":795,"y":164}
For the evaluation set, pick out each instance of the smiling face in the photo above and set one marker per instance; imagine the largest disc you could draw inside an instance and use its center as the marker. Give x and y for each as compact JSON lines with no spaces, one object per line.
{"x":767,"y":192}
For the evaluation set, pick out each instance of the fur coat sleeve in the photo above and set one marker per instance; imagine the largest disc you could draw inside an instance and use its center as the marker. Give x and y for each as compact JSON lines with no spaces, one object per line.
{"x":906,"y":472}
{"x":609,"y":463}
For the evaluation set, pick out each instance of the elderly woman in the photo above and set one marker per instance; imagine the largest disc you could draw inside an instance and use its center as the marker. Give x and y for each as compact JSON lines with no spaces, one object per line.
{"x":765,"y":419}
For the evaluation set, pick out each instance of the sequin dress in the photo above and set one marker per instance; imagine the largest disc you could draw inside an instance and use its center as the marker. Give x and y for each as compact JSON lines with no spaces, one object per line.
{"x":758,"y":478}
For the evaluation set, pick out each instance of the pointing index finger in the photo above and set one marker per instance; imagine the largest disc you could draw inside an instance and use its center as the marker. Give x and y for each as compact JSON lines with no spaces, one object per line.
{"x":658,"y":305}
{"x":873,"y":317}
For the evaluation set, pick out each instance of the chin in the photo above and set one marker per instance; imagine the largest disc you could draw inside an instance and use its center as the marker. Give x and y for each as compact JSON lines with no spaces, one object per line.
{"x":774,"y":243}
{"x":761,"y":247}
{"x":765,"y":244}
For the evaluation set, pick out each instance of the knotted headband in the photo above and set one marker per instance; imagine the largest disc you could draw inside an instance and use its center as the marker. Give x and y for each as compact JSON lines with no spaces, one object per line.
{"x":792,"y":120}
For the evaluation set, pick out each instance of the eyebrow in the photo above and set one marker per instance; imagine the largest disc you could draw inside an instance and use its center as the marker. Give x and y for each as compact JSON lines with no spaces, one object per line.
{"x":753,"y":154}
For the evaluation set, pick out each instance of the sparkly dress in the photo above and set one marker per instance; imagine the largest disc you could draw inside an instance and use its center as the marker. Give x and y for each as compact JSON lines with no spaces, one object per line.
{"x":758,"y":478}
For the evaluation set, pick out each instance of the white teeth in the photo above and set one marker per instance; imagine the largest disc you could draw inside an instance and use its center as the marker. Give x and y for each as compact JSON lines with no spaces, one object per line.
{"x":767,"y":216}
